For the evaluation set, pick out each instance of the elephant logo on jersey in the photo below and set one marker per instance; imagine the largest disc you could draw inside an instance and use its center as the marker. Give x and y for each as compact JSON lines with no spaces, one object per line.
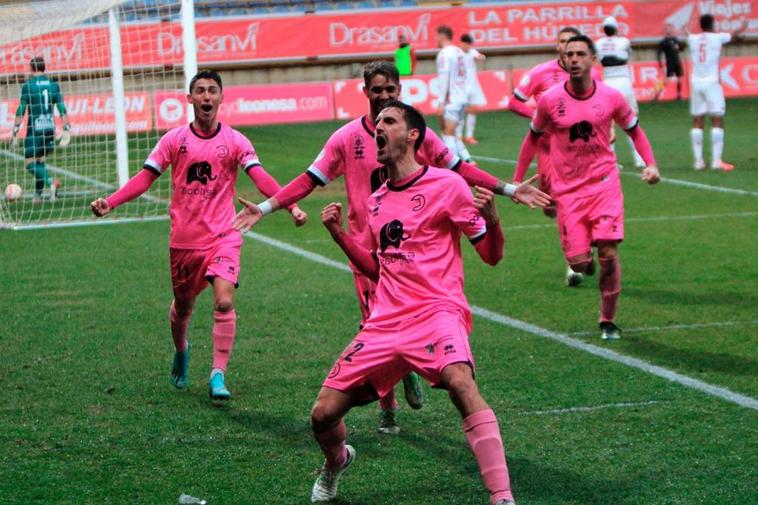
{"x":378,"y":177}
{"x":581,"y":130}
{"x":392,"y":234}
{"x":201,"y":172}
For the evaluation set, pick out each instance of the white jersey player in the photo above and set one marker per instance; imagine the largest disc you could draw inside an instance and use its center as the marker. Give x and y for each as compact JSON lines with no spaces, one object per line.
{"x":706,"y":94}
{"x":475,"y":94}
{"x":452,"y":80}
{"x":614,"y":53}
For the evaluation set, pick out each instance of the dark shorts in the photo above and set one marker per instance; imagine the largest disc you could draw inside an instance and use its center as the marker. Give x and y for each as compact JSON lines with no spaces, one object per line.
{"x":673,"y":69}
{"x":37,"y":145}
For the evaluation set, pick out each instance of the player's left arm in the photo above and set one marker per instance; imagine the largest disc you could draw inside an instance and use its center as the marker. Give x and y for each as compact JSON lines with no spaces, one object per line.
{"x":627,"y":119}
{"x":365,"y":260}
{"x":737,"y":34}
{"x":268,"y":186}
{"x":476,"y":217}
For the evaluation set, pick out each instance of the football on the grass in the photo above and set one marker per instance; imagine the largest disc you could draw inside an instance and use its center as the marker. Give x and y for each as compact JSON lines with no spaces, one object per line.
{"x":13,"y":192}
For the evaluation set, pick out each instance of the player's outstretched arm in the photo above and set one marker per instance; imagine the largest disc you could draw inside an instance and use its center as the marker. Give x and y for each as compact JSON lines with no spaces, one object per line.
{"x":525,"y":155}
{"x":650,"y":173}
{"x":490,"y":248}
{"x":134,"y":187}
{"x":517,"y":106}
{"x":267,"y":185}
{"x":523,"y":193}
{"x":363,"y":259}
{"x":300,"y":187}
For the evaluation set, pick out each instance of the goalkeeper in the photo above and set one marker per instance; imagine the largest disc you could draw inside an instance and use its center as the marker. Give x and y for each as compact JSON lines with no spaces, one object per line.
{"x":39,"y":94}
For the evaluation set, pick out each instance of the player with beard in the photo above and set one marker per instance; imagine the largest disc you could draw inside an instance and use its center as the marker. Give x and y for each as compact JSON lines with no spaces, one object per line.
{"x":351,"y":152}
{"x":204,"y":157}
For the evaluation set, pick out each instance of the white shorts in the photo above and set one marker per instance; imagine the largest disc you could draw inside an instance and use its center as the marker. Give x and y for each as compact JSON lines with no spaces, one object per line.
{"x":454,"y":112}
{"x":707,"y":98}
{"x":624,"y":85}
{"x":476,"y":95}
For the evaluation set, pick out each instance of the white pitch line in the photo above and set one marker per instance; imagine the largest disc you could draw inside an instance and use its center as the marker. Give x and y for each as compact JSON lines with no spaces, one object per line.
{"x":676,"y":182}
{"x":690,"y":326}
{"x":717,"y":391}
{"x":645,"y":220}
{"x":571,"y":410}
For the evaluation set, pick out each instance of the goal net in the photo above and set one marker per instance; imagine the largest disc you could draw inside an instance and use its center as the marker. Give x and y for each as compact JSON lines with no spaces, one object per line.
{"x":104,"y":66}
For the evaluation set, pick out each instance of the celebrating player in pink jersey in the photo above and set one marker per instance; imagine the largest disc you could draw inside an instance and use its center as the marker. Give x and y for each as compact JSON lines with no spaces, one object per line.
{"x":585,"y":180}
{"x":533,"y":85}
{"x":421,"y":319}
{"x":351,"y":152}
{"x":204,"y":157}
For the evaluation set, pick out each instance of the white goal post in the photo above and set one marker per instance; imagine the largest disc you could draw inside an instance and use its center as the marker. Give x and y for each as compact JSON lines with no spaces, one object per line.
{"x":106,"y":64}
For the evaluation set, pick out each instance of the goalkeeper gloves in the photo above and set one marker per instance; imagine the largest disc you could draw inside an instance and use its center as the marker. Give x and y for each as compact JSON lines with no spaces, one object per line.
{"x":14,"y":138}
{"x":65,"y":136}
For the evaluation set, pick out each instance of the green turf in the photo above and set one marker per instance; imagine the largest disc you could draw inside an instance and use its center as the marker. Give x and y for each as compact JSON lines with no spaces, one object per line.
{"x":89,"y":416}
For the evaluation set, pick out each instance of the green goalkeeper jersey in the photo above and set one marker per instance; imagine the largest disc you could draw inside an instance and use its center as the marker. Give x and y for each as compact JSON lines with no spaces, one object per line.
{"x":40,"y":93}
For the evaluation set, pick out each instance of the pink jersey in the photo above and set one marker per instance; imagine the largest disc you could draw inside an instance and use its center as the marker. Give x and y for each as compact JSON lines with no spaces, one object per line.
{"x":579,"y":128}
{"x":351,"y":151}
{"x":542,"y":77}
{"x":203,"y":174}
{"x":415,"y":231}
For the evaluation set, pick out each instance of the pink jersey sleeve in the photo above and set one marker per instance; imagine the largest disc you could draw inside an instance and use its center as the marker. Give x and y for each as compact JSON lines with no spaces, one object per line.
{"x":330,"y":162}
{"x":525,"y":88}
{"x":245,"y":152}
{"x":434,"y":152}
{"x":160,"y":158}
{"x":462,"y":212}
{"x":623,"y":115}
{"x":541,"y":117}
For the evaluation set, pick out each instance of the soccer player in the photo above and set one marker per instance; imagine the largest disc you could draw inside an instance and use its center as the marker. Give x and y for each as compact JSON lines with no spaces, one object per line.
{"x":475,"y":95}
{"x":533,"y":85}
{"x":669,"y":48}
{"x":452,"y":81}
{"x":204,"y":156}
{"x":706,"y":94}
{"x":351,"y":152}
{"x":421,"y":320}
{"x":586,"y":185}
{"x":614,"y":53}
{"x":40,"y":94}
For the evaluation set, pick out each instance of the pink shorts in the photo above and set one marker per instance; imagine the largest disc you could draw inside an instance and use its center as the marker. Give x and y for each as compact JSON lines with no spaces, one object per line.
{"x":191,"y":269}
{"x":584,"y":220}
{"x":365,"y":290}
{"x":379,"y":356}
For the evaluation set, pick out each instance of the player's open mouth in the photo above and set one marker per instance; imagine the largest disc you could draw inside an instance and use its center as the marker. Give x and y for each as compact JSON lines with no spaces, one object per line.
{"x":381,"y":141}
{"x":207,"y":107}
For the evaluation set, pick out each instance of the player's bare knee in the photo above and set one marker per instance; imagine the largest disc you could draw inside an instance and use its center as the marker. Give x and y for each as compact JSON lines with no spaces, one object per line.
{"x":607,"y":250}
{"x":323,"y":418}
{"x":183,"y":308}
{"x":223,"y":305}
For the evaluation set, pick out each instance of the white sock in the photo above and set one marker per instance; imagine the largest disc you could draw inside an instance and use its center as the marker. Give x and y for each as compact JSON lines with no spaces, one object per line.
{"x":449,"y":141}
{"x":459,"y":130}
{"x":470,"y":125}
{"x":638,"y":161}
{"x":717,"y":145}
{"x":461,"y":149}
{"x":696,"y":134}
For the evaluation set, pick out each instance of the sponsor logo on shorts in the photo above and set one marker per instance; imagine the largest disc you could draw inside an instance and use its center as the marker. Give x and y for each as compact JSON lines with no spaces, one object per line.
{"x":449,"y":349}
{"x":430,"y":349}
{"x":334,"y":371}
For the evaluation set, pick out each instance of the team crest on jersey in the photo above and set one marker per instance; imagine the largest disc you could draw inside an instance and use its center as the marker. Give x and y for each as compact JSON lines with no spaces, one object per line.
{"x":201,"y":172}
{"x":222,"y":151}
{"x":183,"y":145}
{"x":419,"y":202}
{"x":581,"y":130}
{"x":378,"y":177}
{"x":359,"y":145}
{"x":598,"y":109}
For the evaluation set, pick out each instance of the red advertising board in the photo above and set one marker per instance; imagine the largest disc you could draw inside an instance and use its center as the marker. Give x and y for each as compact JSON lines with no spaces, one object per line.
{"x":251,"y":105}
{"x":367,"y":32}
{"x":89,"y":114}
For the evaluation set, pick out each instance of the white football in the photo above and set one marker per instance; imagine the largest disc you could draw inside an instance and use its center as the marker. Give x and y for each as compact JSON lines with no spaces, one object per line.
{"x":13,"y":192}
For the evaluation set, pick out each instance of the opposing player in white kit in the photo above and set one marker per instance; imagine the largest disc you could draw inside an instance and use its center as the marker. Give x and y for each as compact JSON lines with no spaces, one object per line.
{"x":476,"y":96}
{"x":706,"y":94}
{"x":452,"y":80}
{"x":614,"y":53}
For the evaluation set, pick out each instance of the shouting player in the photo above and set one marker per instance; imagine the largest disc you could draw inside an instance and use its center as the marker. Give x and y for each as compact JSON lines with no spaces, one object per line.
{"x":351,"y":152}
{"x":706,"y":94}
{"x":421,"y":319}
{"x":204,"y":157}
{"x":586,"y":185}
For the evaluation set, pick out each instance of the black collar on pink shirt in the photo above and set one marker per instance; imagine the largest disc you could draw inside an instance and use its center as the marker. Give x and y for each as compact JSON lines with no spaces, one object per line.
{"x":408,"y":184}
{"x":594,"y":88}
{"x":197,"y":134}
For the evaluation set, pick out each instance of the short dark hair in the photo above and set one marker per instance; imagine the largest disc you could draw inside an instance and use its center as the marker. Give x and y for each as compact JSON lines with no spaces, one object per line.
{"x":446,"y":31}
{"x":466,"y":39}
{"x":706,"y":22}
{"x":610,"y":30}
{"x":569,"y":29}
{"x":585,"y":39}
{"x":385,"y":68}
{"x":413,"y":119}
{"x":37,"y":63}
{"x":206,"y":74}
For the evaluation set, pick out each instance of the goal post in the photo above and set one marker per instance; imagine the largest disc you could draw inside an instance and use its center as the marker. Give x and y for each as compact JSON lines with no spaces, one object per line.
{"x":106,"y":65}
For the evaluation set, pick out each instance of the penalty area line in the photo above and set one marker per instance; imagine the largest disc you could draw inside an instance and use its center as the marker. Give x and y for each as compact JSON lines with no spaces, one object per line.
{"x":670,"y":375}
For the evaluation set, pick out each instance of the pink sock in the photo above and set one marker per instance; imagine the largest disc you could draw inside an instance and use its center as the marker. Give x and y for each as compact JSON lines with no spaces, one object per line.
{"x":610,"y":287}
{"x":483,"y":436}
{"x":224,"y":329}
{"x":332,"y":443}
{"x":179,"y":327}
{"x":389,"y":401}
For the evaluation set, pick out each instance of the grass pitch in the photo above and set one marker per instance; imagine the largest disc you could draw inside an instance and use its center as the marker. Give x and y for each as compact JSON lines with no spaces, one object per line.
{"x":89,"y":416}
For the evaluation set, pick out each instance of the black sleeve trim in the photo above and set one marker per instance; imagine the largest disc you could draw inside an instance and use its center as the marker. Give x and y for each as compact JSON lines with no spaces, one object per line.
{"x":457,"y":165}
{"x":315,"y":179}
{"x":152,"y":169}
{"x":536,"y":133}
{"x":252,"y":165}
{"x":478,"y":239}
{"x":635,"y":125}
